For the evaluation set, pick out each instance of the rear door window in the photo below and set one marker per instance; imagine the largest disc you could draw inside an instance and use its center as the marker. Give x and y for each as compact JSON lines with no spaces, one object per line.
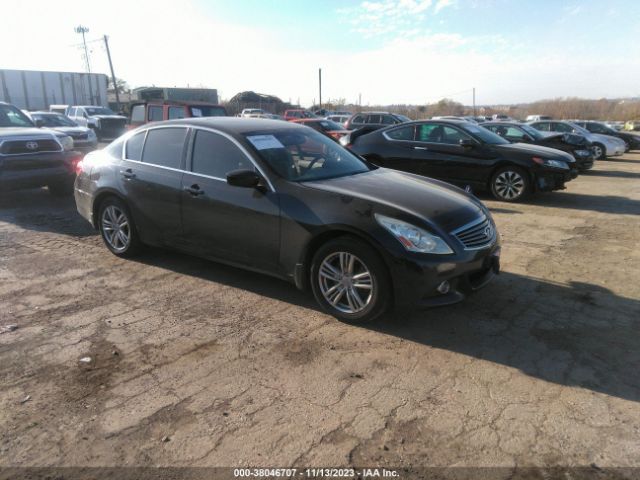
{"x":403,"y":133}
{"x":215,"y":155}
{"x":358,"y":119}
{"x":155,"y":113}
{"x":176,"y":112}
{"x":542,"y":126}
{"x":374,"y":119}
{"x":388,"y":120}
{"x":561,"y":127}
{"x":164,"y":147}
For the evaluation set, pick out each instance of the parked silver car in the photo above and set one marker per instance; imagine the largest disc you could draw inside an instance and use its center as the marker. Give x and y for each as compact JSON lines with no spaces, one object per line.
{"x":603,"y":145}
{"x":84,"y":138}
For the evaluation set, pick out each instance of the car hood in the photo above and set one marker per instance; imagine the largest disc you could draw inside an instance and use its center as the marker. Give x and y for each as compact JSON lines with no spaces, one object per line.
{"x":115,"y":117}
{"x":599,"y":137}
{"x":70,"y":130}
{"x":31,"y":132}
{"x":437,"y":203}
{"x":535,"y":150}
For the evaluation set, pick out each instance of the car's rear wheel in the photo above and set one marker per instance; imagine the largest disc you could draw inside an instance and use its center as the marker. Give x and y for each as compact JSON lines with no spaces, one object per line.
{"x":599,"y":152}
{"x":510,"y":184}
{"x":350,"y":281}
{"x":63,"y":188}
{"x":117,"y":228}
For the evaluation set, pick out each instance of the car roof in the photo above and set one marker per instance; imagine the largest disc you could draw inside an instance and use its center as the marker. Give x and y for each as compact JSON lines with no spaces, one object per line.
{"x":512,"y":124}
{"x":46,"y":112}
{"x":231,"y":125}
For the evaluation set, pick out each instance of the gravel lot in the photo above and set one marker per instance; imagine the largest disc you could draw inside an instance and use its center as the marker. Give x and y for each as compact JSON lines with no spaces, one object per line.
{"x":233,"y":368}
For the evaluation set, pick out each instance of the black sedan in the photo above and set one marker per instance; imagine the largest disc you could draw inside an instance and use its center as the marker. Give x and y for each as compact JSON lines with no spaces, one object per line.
{"x":285,"y":200}
{"x":572,"y":143}
{"x":466,"y":154}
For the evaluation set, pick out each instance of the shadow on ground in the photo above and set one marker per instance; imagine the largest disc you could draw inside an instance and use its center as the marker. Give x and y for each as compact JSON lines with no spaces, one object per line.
{"x":577,"y":335}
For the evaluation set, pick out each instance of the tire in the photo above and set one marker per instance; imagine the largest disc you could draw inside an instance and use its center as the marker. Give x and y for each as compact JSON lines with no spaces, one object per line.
{"x":599,"y":151}
{"x":510,"y":184}
{"x":370,"y":300}
{"x":61,"y":189}
{"x":122,"y":241}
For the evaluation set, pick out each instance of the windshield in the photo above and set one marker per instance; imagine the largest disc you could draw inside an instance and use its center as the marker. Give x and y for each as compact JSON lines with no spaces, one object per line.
{"x":402,"y":118}
{"x":54,"y":120}
{"x":207,"y":111}
{"x":482,"y":133}
{"x":532,"y":131}
{"x":305,"y":155}
{"x":99,"y":111}
{"x":10,"y":116}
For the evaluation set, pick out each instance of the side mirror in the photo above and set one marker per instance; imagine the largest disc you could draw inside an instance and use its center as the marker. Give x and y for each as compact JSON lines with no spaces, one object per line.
{"x":467,"y":143}
{"x":243,"y":178}
{"x":39,"y":123}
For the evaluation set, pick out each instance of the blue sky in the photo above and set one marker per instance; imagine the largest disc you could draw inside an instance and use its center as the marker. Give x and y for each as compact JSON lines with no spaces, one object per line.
{"x":389,"y":51}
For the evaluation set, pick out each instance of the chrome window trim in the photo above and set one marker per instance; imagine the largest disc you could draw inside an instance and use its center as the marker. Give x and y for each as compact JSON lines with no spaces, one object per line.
{"x":193,"y":128}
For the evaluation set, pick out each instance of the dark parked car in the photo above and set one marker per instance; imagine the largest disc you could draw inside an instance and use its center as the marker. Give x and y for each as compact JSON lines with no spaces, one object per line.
{"x":374,"y":120}
{"x":32,"y":157}
{"x":327,"y":127}
{"x":632,"y":140}
{"x":572,"y":143}
{"x":285,"y":200}
{"x":466,"y":154}
{"x":84,"y":138}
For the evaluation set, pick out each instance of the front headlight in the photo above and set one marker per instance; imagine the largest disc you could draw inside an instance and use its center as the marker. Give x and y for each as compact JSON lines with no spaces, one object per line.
{"x":412,"y":238}
{"x":551,"y":163}
{"x":66,"y":142}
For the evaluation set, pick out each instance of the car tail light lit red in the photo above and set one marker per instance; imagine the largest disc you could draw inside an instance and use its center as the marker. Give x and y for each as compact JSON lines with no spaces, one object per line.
{"x":77,"y":165}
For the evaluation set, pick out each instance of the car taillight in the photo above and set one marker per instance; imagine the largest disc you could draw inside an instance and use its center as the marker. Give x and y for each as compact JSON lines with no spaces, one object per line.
{"x":77,"y":165}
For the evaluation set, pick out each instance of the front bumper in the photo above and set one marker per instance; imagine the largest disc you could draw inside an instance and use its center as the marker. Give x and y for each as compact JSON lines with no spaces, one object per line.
{"x":37,"y":170}
{"x":548,"y":180}
{"x":615,"y":150}
{"x":416,"y":280}
{"x":584,"y":159}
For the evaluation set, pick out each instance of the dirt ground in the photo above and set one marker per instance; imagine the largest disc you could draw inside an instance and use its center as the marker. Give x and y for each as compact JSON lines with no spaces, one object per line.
{"x":197,"y":364}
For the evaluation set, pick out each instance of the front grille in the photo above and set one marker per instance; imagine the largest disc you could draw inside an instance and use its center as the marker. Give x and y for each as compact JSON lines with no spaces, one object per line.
{"x":80,"y":136}
{"x":477,"y":234}
{"x":111,"y":123}
{"x":19,"y":147}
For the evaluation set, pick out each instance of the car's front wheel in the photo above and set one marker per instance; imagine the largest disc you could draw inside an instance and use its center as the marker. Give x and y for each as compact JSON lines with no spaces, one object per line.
{"x":599,"y":152}
{"x":117,"y":228}
{"x":350,"y":280}
{"x":510,"y":184}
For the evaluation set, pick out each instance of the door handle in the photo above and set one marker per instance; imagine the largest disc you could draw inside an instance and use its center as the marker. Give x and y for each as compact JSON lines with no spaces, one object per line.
{"x":420,"y":148}
{"x":194,"y":190}
{"x":128,"y":173}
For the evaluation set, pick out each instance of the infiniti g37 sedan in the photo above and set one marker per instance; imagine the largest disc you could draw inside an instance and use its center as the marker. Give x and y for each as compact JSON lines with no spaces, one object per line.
{"x":466,"y":154}
{"x":285,"y":200}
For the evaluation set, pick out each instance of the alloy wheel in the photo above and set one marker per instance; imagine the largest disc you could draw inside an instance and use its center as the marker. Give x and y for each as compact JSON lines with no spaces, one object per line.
{"x":597,"y":151}
{"x":115,"y":228}
{"x":509,"y":185}
{"x":345,"y":282}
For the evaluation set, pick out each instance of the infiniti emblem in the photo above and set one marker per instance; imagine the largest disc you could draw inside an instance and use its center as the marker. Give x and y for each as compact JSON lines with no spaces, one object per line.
{"x":488,"y":231}
{"x":31,"y":145}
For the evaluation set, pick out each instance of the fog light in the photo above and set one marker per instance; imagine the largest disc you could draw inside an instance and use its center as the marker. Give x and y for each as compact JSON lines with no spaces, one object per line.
{"x":444,"y":287}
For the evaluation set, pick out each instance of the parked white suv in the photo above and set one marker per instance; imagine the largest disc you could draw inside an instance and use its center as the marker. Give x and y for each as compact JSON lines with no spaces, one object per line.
{"x":104,"y":121}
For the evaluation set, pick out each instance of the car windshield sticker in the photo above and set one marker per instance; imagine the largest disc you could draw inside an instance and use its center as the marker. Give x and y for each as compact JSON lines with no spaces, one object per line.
{"x":265,"y":142}
{"x":196,"y":112}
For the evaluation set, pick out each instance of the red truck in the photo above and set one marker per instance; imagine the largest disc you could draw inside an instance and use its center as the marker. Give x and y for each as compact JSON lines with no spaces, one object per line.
{"x":155,"y":111}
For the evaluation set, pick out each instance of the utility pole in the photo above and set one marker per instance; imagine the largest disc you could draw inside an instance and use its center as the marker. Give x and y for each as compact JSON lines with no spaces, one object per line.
{"x":320,"y":87}
{"x":360,"y":101}
{"x":82,"y":30}
{"x":474,"y":101}
{"x":113,"y":75}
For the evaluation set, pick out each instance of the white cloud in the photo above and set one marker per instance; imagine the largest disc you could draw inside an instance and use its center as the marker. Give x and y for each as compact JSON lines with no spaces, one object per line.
{"x":443,"y":4}
{"x":168,"y":43}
